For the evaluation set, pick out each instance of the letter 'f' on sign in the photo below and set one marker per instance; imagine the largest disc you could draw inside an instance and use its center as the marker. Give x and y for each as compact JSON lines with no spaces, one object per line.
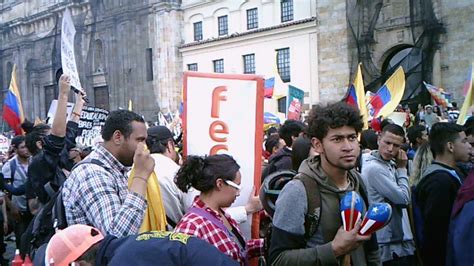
{"x":217,"y":97}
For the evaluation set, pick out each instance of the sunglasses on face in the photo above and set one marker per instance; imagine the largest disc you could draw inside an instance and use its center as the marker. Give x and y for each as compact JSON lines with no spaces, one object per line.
{"x":234,"y":185}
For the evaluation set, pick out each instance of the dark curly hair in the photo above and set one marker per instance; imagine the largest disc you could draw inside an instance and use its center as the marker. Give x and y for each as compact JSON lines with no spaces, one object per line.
{"x":201,"y":172}
{"x":120,"y":120}
{"x":322,"y":118}
{"x":291,"y":128}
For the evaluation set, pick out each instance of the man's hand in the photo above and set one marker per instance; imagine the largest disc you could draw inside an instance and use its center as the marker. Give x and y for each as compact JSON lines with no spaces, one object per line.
{"x":346,"y":241}
{"x":402,"y":159}
{"x":144,"y":163}
{"x":253,"y":204}
{"x":64,"y":85}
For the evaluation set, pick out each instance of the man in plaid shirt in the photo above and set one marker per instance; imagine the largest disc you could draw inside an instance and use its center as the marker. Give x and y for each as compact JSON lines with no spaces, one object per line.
{"x":97,"y":194}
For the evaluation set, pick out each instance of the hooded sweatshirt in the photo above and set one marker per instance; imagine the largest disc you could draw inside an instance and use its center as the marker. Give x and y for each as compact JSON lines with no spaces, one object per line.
{"x":387,"y":183}
{"x":288,"y":245}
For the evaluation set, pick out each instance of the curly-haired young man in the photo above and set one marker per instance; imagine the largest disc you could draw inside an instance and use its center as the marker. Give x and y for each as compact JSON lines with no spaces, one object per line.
{"x":333,"y":131}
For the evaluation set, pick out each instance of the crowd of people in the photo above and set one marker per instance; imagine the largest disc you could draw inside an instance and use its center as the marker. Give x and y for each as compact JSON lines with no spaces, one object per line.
{"x":422,"y":169}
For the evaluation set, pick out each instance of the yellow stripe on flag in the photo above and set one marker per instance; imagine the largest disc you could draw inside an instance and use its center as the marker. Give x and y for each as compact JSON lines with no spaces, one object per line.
{"x":396,"y":85}
{"x":360,"y":93}
{"x":14,"y":89}
{"x":468,"y":101}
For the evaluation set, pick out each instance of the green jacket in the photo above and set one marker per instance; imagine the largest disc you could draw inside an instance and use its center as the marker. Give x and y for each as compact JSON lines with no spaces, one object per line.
{"x":288,"y":245}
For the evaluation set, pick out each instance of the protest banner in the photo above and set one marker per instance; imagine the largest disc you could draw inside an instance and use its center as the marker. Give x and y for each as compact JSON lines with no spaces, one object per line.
{"x":4,"y":144}
{"x":68,"y":59}
{"x":294,"y":103}
{"x":224,"y":114}
{"x":90,"y":125}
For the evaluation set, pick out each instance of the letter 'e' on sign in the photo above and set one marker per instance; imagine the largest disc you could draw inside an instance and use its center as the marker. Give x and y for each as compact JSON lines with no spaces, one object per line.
{"x":224,"y":114}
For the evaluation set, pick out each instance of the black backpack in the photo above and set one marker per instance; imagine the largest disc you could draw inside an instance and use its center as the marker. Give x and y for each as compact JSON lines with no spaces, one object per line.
{"x":51,"y":217}
{"x":269,"y":194}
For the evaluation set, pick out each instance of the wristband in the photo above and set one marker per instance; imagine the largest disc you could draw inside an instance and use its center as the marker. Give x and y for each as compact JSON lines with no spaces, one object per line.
{"x":76,"y":113}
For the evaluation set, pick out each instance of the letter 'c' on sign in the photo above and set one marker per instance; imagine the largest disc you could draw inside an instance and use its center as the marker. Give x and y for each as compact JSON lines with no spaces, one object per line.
{"x":218,"y":127}
{"x":217,"y":148}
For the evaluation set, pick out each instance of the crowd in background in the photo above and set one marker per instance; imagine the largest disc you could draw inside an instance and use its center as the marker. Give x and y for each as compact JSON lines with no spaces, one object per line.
{"x":421,"y":168}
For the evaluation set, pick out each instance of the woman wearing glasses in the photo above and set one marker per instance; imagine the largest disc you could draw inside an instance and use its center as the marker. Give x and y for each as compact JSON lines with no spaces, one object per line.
{"x":218,"y":178}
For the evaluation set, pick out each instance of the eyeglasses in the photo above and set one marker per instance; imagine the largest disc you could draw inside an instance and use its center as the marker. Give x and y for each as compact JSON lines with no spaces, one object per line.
{"x":234,"y":185}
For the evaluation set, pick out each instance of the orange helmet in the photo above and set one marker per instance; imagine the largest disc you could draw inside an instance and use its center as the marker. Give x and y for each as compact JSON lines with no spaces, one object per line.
{"x":69,"y":244}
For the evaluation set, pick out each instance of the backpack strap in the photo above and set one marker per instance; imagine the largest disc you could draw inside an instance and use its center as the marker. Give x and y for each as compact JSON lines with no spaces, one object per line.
{"x":313,"y":195}
{"x":58,"y":210}
{"x":12,"y":169}
{"x":92,"y":161}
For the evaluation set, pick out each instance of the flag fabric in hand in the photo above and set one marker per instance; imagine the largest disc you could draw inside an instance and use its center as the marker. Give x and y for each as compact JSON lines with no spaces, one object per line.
{"x":351,"y":207}
{"x":388,"y":96}
{"x":468,"y":101}
{"x":441,"y":97}
{"x":155,"y":214}
{"x":356,"y":96}
{"x":377,"y":216}
{"x":12,"y":107}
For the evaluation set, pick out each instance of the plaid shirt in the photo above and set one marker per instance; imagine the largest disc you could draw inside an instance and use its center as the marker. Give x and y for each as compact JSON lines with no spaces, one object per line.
{"x":99,"y":196}
{"x":193,"y":224}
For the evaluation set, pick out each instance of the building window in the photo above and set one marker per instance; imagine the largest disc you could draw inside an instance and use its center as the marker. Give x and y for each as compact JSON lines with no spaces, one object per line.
{"x":101,"y":97}
{"x":252,"y":18}
{"x":283,"y":63}
{"x":249,"y":63}
{"x":222,"y":23}
{"x":193,"y":67}
{"x":218,"y":66}
{"x":197,"y":31}
{"x":149,"y":64}
{"x":281,"y":102}
{"x":286,"y":10}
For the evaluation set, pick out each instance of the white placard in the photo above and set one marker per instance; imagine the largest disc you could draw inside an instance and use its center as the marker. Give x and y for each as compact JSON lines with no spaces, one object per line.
{"x":4,"y":144}
{"x":398,"y":118}
{"x":52,"y":110}
{"x":216,"y":101}
{"x":68,"y":59}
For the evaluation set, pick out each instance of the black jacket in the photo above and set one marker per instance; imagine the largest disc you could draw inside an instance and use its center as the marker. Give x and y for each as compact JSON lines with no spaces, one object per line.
{"x":46,"y":166}
{"x":281,"y":160}
{"x":435,"y":195}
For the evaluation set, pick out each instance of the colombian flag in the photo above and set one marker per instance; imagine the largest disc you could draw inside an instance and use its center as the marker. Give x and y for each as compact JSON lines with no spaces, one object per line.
{"x":356,"y":96}
{"x":12,"y":107}
{"x":388,"y":96}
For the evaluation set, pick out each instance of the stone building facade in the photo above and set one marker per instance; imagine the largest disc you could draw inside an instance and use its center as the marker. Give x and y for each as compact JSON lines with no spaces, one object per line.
{"x":125,"y":50}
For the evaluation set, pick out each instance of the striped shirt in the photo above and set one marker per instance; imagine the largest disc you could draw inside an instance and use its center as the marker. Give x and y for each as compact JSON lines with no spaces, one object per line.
{"x":196,"y":225}
{"x":99,"y":196}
